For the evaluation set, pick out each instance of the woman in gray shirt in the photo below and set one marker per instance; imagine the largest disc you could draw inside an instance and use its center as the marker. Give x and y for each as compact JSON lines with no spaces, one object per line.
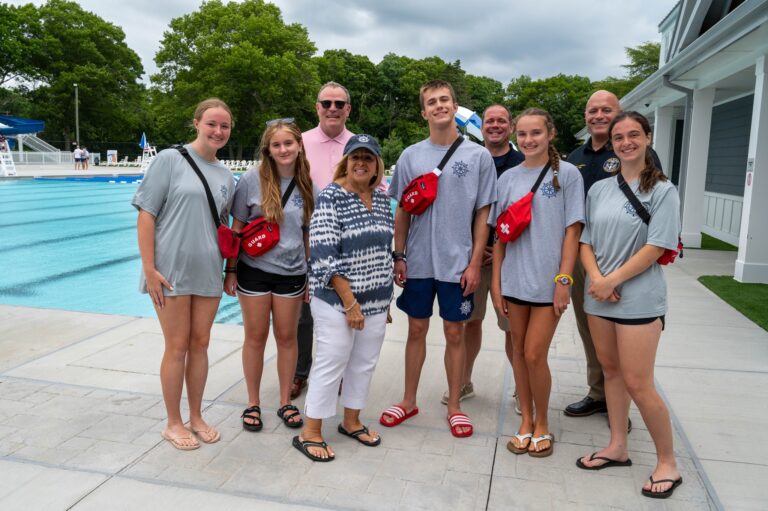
{"x":626,"y":296}
{"x":182,"y":263}
{"x":274,"y":283}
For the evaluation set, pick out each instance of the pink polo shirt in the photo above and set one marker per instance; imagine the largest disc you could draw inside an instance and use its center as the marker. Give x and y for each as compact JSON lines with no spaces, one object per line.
{"x":324,"y":153}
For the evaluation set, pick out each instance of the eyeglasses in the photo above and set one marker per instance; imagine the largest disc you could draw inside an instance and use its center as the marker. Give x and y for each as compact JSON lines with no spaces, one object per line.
{"x":326,"y":103}
{"x":284,"y":120}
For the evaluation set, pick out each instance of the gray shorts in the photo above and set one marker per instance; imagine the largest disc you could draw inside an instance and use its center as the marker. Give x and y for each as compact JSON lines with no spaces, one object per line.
{"x":481,"y":300}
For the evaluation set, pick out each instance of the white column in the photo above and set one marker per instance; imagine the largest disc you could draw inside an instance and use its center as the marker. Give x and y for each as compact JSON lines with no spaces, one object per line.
{"x":696,"y":169}
{"x":664,"y":136}
{"x":752,"y":258}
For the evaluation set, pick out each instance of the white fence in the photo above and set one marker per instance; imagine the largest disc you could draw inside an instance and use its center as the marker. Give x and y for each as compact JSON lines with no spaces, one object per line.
{"x":35,"y":158}
{"x":722,"y":216}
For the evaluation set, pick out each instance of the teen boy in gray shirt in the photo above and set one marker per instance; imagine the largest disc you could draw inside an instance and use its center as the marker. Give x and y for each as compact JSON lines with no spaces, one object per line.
{"x":443,"y":247}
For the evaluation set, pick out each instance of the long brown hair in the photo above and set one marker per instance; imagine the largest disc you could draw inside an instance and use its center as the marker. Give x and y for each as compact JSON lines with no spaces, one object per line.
{"x":271,"y":196}
{"x":651,"y":174}
{"x":554,"y":156}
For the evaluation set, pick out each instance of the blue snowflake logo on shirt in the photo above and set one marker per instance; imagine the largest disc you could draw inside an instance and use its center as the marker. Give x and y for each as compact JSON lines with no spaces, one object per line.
{"x":465,"y":307}
{"x":298,"y":201}
{"x":460,"y":169}
{"x":629,"y":209}
{"x":548,"y":190}
{"x":224,"y":192}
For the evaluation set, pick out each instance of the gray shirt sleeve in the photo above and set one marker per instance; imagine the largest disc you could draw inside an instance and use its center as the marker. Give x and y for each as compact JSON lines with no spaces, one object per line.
{"x":152,"y":193}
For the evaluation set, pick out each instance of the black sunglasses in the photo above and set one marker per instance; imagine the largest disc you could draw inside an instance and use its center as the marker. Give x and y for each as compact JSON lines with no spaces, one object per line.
{"x":326,"y":103}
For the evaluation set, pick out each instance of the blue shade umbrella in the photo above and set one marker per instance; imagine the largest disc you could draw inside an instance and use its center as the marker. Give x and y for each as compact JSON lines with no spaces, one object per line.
{"x":143,"y":142}
{"x":470,"y":121}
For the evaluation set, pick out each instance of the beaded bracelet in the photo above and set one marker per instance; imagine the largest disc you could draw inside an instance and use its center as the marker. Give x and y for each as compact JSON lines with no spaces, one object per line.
{"x":347,"y":309}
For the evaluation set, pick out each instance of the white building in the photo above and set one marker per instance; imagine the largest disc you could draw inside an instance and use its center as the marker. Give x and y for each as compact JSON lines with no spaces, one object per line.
{"x":708,"y":102}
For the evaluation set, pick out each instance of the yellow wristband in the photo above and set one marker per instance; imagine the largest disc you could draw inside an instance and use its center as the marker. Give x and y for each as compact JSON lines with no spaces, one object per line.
{"x":564,"y":279}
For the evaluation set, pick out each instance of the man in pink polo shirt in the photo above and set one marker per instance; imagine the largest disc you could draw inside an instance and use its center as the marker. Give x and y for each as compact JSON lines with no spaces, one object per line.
{"x":325,"y":143}
{"x":324,"y":146}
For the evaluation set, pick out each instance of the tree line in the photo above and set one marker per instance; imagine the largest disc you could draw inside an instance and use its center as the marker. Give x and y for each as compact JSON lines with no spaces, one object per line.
{"x":263,"y":67}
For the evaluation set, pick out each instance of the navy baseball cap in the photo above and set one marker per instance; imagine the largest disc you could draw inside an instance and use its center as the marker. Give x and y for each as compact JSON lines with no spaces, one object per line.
{"x":368,"y":142}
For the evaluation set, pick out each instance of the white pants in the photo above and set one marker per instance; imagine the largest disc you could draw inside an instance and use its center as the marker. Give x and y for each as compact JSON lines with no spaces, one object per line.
{"x":342,"y":352}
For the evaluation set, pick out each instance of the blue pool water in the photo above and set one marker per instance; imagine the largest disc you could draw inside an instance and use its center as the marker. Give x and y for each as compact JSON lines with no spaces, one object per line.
{"x":71,"y":244}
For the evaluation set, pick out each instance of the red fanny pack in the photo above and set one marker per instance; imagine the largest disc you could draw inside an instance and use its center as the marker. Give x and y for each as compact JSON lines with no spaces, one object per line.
{"x":229,"y":241}
{"x":669,"y":255}
{"x":261,"y":236}
{"x":516,"y":218}
{"x":421,"y":192}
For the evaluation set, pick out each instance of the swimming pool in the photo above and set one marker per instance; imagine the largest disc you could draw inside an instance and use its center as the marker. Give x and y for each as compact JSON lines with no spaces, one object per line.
{"x":70,"y":243}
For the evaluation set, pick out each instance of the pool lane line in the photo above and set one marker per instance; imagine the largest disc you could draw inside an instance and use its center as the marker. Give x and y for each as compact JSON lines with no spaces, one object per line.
{"x":53,"y":241}
{"x":106,"y":193}
{"x":61,"y":219}
{"x":64,"y":206}
{"x":27,"y":288}
{"x":50,"y":190}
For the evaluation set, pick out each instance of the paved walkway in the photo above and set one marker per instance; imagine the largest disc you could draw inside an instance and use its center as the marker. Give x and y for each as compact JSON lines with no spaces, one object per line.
{"x":81,"y":413}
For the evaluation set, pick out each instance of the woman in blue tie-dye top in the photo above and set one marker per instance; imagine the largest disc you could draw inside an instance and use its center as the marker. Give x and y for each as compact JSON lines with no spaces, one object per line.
{"x":350,"y":239}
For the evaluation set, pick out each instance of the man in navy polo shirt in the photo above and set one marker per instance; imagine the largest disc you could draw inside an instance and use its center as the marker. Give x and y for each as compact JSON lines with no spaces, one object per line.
{"x":596,"y":160}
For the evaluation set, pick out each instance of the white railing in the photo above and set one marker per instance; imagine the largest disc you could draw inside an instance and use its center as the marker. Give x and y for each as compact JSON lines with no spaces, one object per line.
{"x":722,"y":216}
{"x":34,"y":158}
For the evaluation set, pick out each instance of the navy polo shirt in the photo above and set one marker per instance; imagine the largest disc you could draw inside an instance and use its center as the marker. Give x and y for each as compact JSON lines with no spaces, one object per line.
{"x":600,"y":164}
{"x":508,"y":160}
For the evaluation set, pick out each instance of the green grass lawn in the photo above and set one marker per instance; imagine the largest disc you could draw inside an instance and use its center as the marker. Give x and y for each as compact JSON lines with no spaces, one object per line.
{"x":749,"y":299}
{"x":710,"y":243}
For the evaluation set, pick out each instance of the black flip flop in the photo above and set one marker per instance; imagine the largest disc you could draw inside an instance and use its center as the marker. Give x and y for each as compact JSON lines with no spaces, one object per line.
{"x":357,"y":434}
{"x":608,"y":463}
{"x":662,"y":494}
{"x":302,"y":447}
{"x":287,"y":418}
{"x":248,"y":414}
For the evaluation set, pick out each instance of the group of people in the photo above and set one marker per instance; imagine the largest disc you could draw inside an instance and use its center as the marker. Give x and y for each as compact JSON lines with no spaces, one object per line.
{"x":82,"y":157}
{"x":340,"y":253}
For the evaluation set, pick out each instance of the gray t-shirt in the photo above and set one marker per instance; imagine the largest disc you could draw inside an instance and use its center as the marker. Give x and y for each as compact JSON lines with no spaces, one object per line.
{"x":186,"y":242}
{"x":288,"y":257}
{"x":532,"y":260}
{"x":616,"y":233}
{"x":439,"y":243}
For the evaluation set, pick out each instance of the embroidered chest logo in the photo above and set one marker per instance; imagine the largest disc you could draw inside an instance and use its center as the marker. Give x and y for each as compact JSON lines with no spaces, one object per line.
{"x":224,"y":192}
{"x":630,"y":209}
{"x":297,"y":201}
{"x":611,"y":165}
{"x":465,"y":307}
{"x":548,"y":190}
{"x":460,"y":169}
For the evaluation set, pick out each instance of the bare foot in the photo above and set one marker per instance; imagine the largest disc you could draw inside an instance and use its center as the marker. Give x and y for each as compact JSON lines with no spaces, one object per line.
{"x":315,"y":450}
{"x":207,"y":434}
{"x":391,"y":421}
{"x":662,"y":471}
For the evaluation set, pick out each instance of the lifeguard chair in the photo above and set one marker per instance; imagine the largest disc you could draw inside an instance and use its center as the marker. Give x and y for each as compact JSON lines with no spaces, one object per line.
{"x":147,"y":155}
{"x":7,"y":167}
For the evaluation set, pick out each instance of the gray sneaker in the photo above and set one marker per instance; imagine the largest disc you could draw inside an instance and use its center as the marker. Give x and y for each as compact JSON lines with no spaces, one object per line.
{"x":467,"y":391}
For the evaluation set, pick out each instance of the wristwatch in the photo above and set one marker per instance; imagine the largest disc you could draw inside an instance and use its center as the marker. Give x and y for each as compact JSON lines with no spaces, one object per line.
{"x":398,"y":256}
{"x":564,"y":279}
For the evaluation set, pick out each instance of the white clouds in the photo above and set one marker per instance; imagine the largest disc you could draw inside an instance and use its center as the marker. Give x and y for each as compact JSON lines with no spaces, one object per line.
{"x":497,"y":38}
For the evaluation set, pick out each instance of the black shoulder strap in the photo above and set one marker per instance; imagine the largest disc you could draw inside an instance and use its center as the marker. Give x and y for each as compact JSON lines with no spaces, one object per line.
{"x":541,"y":177}
{"x":211,"y":203}
{"x":451,"y":150}
{"x":288,"y":192}
{"x":630,"y":195}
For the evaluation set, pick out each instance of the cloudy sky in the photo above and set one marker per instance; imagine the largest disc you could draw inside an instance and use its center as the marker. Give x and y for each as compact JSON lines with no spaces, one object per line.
{"x":498,"y":38}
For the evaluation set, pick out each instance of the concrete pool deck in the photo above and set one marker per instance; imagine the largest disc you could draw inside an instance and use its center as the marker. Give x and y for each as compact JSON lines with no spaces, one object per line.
{"x":81,"y":412}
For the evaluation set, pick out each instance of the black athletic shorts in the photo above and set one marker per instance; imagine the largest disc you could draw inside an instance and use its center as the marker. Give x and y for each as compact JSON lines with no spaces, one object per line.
{"x":517,"y":301}
{"x":636,"y":321}
{"x":254,"y":282}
